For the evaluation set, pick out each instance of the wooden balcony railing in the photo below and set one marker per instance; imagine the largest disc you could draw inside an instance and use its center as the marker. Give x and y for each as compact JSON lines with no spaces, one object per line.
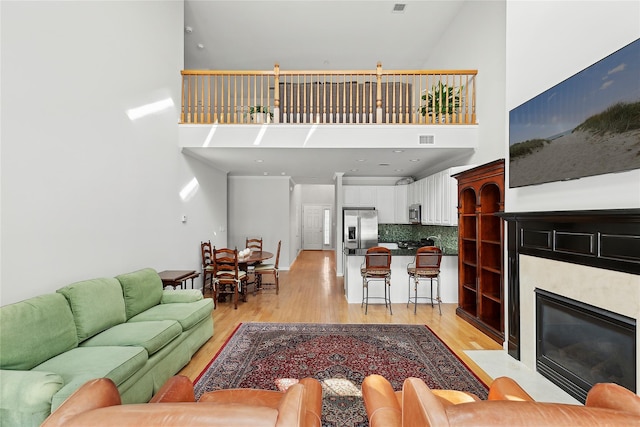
{"x":354,"y":97}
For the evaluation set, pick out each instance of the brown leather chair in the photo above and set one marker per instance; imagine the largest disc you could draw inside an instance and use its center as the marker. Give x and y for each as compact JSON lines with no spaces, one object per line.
{"x":97,"y":403}
{"x":507,"y":404}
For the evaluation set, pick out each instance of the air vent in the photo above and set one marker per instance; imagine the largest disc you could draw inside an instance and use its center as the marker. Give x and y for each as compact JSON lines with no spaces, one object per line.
{"x":399,"y":7}
{"x":427,"y":140}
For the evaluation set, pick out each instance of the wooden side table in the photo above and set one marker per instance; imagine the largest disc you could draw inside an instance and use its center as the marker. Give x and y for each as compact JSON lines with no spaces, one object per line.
{"x":178,"y":277}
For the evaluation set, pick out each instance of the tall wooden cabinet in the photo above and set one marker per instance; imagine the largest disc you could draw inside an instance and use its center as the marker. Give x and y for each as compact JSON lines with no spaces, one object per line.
{"x":480,"y":240}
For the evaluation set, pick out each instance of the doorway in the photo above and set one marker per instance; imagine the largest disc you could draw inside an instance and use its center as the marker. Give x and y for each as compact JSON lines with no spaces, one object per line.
{"x":316,"y":227}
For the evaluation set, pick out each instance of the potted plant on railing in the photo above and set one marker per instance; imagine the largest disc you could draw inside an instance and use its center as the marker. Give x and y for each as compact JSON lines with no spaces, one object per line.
{"x":260,"y":114}
{"x":441,"y":100}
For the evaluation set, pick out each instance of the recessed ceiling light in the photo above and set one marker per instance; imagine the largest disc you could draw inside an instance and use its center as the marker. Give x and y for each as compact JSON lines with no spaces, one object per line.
{"x":188,"y":30}
{"x":362,"y":160}
{"x":354,"y":170}
{"x":266,"y":173}
{"x":259,"y":161}
{"x":397,"y":170}
{"x":398,"y":151}
{"x":282,"y":173}
{"x":200,"y":46}
{"x":414,"y":160}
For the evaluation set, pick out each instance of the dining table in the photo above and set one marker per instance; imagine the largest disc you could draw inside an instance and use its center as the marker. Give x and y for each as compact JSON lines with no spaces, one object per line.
{"x":254,"y":258}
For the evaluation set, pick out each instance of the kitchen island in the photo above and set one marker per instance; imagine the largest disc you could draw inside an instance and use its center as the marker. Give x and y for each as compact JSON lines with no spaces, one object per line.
{"x":400,"y":258}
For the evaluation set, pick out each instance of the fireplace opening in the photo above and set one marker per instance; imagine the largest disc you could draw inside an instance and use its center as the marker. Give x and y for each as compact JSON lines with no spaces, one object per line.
{"x":579,"y":345}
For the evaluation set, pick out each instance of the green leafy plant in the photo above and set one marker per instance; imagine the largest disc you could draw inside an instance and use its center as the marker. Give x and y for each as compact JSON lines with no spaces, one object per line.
{"x":260,"y":109}
{"x":441,"y":99}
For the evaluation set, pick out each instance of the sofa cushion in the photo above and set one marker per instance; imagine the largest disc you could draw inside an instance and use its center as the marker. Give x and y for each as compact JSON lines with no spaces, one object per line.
{"x":152,"y":335}
{"x":96,"y":305}
{"x":79,"y":365}
{"x":142,"y":290}
{"x":170,"y":296}
{"x":188,"y":314}
{"x":35,"y":330}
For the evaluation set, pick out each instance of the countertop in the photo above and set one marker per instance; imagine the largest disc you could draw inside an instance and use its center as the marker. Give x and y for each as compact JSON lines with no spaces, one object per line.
{"x":394,"y":252}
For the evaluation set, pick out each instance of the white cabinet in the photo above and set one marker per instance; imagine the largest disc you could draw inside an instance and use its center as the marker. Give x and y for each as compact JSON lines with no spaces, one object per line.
{"x":440,"y":205}
{"x":368,"y":195}
{"x":350,"y":195}
{"x":449,"y":196}
{"x":416,"y":192}
{"x":401,"y":205}
{"x":385,"y":204}
{"x":429,"y":204}
{"x":359,"y":196}
{"x":389,"y":200}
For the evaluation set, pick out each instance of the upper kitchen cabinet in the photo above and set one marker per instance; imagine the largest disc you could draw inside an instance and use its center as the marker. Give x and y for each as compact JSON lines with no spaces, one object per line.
{"x":359,"y":196}
{"x":401,"y":205}
{"x":385,"y":204}
{"x":440,"y":197}
{"x":389,"y":200}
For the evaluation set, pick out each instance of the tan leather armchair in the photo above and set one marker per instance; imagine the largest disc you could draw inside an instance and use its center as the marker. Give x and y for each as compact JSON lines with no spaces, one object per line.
{"x":507,"y":404}
{"x":97,"y":403}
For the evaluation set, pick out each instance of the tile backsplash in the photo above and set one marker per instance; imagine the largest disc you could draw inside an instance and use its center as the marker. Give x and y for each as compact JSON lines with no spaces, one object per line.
{"x":398,"y":232}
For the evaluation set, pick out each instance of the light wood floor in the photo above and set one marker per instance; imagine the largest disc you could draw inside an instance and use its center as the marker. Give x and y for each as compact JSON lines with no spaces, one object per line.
{"x":310,"y":292}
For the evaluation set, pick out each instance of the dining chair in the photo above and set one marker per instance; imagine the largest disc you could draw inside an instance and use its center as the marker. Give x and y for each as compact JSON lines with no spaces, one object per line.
{"x":262,"y":269}
{"x":376,"y":266}
{"x":425,"y":266}
{"x":228,"y":278}
{"x":254,"y":243}
{"x":207,"y":265}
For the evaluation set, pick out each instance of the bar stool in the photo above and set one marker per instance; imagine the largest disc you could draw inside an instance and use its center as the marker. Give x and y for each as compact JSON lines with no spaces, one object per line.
{"x":377,"y":266}
{"x":425,"y":266}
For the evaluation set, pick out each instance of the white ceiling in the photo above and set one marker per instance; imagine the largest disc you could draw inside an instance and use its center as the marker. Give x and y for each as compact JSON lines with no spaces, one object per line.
{"x":315,"y":35}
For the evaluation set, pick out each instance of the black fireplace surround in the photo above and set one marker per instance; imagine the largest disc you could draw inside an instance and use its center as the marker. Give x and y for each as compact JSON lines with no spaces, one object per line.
{"x":605,"y":239}
{"x":579,"y":345}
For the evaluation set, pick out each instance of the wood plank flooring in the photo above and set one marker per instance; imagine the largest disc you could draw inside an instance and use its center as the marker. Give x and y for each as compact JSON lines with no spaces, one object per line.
{"x":310,"y":292}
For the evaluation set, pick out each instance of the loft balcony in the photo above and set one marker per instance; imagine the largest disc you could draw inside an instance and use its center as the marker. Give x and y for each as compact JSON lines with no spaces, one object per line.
{"x":359,"y":97}
{"x":310,"y":125}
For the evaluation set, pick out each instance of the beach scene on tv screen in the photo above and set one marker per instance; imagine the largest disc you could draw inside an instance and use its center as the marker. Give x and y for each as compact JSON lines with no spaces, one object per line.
{"x":587,"y":125}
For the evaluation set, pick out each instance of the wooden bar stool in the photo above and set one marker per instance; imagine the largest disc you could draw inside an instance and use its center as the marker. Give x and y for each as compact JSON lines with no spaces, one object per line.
{"x":377,"y":266}
{"x":425,"y":266}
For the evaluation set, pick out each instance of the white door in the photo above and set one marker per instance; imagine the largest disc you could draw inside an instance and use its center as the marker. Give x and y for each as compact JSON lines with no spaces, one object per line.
{"x":313,"y":227}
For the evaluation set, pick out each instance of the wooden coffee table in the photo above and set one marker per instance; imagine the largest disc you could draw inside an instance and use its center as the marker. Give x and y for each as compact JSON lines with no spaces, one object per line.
{"x":178,"y":277}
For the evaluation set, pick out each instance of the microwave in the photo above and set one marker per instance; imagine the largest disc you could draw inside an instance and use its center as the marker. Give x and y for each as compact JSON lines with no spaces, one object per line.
{"x":415,"y":214}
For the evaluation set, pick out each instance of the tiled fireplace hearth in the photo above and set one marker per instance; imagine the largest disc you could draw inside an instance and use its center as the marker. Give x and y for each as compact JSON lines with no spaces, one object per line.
{"x":589,"y":257}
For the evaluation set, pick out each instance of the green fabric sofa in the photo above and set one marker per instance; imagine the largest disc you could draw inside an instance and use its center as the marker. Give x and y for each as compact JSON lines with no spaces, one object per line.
{"x":127,"y":328}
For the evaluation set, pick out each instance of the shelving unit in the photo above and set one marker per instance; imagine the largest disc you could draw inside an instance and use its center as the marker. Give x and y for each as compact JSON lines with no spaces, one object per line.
{"x":480,"y":231}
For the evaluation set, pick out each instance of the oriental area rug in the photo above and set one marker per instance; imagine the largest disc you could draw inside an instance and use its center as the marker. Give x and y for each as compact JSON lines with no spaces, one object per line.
{"x":272,"y":356}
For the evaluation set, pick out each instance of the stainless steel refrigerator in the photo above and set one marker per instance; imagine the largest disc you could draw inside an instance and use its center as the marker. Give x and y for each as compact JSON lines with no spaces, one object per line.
{"x":360,"y":228}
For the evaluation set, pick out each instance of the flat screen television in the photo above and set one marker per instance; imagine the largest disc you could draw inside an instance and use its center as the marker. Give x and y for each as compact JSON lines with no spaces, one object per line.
{"x":587,"y":125}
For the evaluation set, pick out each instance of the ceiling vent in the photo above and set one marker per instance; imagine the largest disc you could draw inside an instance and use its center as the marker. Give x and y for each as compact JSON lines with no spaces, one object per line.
{"x":427,"y":140}
{"x":399,"y":7}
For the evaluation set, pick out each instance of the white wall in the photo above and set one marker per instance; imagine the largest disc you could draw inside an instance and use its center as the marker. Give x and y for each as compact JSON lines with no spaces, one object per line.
{"x":295,"y":221}
{"x":547,"y":42}
{"x":259,"y":206}
{"x":476,"y":40}
{"x":86,"y":192}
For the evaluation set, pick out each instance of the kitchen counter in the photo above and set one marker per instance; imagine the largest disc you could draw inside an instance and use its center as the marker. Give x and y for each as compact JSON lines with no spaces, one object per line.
{"x":395,"y":252}
{"x":400,"y":286}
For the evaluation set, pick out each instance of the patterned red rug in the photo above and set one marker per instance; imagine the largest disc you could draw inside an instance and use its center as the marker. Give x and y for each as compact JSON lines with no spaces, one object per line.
{"x":271,"y":356}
